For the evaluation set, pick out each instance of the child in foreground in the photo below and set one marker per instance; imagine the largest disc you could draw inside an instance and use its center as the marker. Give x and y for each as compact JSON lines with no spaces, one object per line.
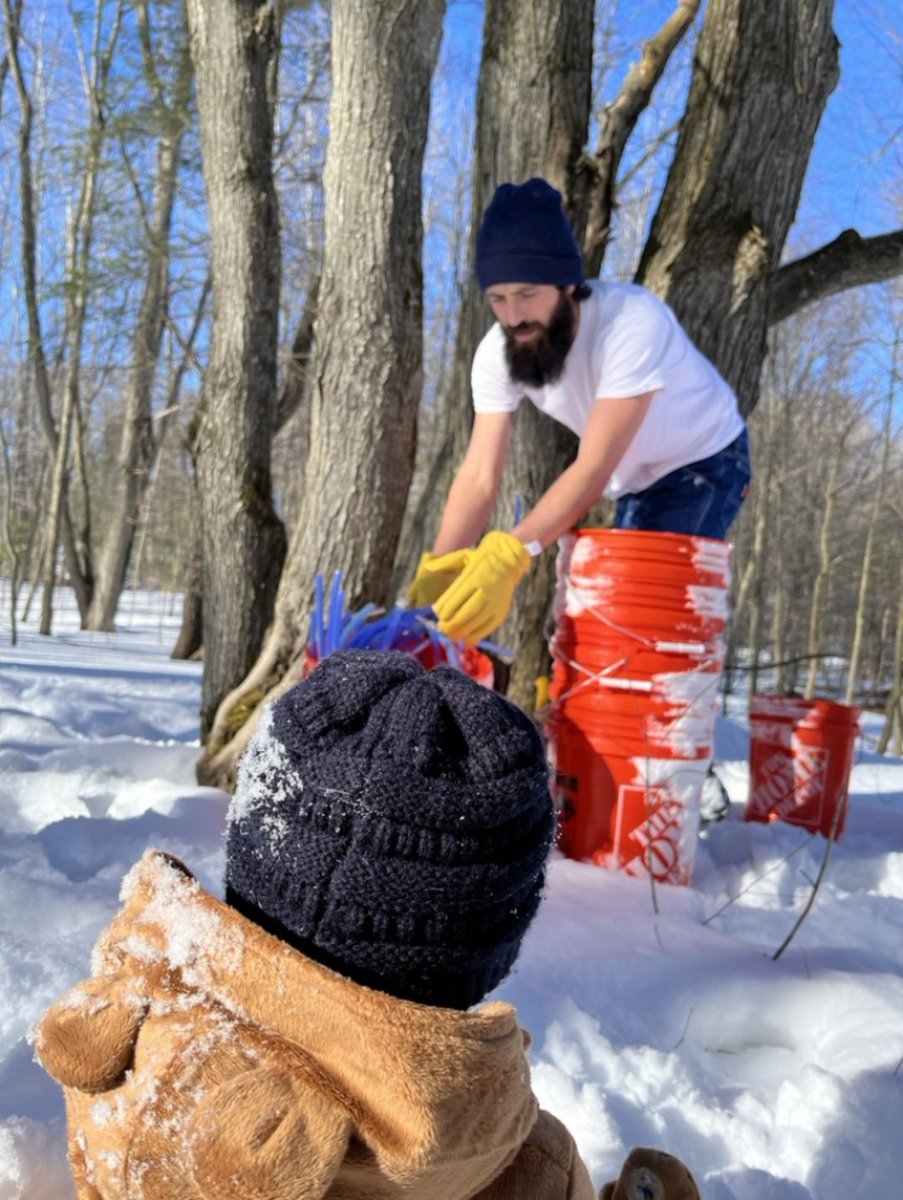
{"x":315,"y":1035}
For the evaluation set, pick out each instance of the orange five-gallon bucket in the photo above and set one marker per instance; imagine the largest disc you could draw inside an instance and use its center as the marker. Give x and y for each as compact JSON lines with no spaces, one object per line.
{"x":637,"y":655}
{"x":801,"y":753}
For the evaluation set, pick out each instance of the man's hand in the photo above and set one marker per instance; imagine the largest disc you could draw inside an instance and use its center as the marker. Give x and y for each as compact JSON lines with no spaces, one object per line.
{"x":436,"y":573}
{"x":479,"y":599}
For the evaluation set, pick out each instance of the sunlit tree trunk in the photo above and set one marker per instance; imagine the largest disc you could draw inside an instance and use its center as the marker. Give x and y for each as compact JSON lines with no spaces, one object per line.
{"x":887,"y":442}
{"x":892,"y":734}
{"x":80,"y":238}
{"x":826,"y":561}
{"x":60,"y":525}
{"x":138,"y":444}
{"x":235,"y":48}
{"x":366,"y":380}
{"x":780,"y":605}
{"x":14,"y":569}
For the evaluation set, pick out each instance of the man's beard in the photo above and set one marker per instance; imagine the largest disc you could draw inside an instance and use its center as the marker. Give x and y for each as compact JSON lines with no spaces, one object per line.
{"x":541,"y":360}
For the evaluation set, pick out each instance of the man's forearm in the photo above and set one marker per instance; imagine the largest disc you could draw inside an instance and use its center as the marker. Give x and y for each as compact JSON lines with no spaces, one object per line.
{"x":611,"y":427}
{"x":466,"y":513}
{"x":569,"y":498}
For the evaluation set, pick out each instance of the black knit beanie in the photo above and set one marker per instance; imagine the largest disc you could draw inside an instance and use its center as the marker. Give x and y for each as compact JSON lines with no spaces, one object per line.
{"x":525,"y":238}
{"x":393,"y":823}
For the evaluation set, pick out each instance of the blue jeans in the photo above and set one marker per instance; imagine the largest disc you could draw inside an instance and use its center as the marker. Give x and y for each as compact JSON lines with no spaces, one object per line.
{"x":703,"y":497}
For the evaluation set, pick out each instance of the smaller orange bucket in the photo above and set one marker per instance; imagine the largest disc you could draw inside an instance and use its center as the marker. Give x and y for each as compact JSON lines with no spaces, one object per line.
{"x":800,"y":757}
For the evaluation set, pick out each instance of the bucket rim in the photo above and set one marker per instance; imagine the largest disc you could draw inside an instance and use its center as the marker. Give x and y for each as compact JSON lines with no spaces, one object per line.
{"x":647,"y":535}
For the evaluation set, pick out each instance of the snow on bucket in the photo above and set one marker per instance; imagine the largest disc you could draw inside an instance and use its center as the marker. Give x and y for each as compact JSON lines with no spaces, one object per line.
{"x":637,"y":654}
{"x":801,"y":754}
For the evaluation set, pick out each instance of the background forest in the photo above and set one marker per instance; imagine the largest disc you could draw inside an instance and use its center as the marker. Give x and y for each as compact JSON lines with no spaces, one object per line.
{"x":237,"y":307}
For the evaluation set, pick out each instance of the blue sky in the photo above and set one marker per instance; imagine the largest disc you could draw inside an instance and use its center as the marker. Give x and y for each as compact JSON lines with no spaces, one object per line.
{"x":857,"y":164}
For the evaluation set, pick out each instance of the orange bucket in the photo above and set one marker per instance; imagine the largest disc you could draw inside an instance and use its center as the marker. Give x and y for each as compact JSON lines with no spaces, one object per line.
{"x":637,"y":654}
{"x":800,"y":757}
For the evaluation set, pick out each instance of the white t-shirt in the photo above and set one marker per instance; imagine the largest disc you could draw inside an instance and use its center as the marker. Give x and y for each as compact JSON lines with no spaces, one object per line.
{"x":628,"y":342}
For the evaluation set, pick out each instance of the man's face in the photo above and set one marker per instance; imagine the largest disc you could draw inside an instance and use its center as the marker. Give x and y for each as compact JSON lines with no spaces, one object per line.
{"x":539,"y":322}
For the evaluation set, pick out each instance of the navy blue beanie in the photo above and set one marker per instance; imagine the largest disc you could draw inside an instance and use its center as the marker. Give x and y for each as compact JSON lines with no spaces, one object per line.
{"x":525,"y":238}
{"x":393,"y":823}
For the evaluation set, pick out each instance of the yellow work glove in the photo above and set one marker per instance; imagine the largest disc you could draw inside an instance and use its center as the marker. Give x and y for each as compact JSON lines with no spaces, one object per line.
{"x":479,"y":599}
{"x":435,"y":573}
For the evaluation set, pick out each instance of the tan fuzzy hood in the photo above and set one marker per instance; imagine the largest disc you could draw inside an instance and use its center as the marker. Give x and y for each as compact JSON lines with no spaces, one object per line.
{"x":205,"y":1058}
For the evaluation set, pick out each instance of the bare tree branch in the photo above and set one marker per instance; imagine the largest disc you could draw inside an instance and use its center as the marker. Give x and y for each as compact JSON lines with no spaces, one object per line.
{"x":296,"y":370}
{"x":849,"y":261}
{"x":594,"y":198}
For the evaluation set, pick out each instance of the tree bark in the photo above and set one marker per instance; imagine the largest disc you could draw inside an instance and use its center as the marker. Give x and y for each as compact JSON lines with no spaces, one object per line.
{"x":366,"y":382}
{"x":849,"y":261}
{"x":533,"y":104}
{"x":826,"y":562}
{"x":892,"y":733}
{"x":14,"y":567}
{"x":79,"y":572}
{"x":78,"y":261}
{"x":761,"y":78}
{"x":138,"y":445}
{"x":865,"y":573}
{"x":191,"y":631}
{"x":234,"y":45}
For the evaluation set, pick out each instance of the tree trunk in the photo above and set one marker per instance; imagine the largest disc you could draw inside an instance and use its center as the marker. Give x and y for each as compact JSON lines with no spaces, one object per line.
{"x":78,"y":261}
{"x":56,"y":503}
{"x":887,"y":444}
{"x":533,"y":105}
{"x":137,"y":449}
{"x":79,"y":573}
{"x":191,"y":632}
{"x":892,"y":733}
{"x":9,"y":538}
{"x":761,"y":78}
{"x":366,"y":381}
{"x":234,"y":45}
{"x":826,"y":562}
{"x":777,"y":559}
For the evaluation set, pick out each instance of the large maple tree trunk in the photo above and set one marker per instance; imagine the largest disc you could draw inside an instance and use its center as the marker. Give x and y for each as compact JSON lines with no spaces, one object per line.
{"x":366,"y":381}
{"x":762,"y":74}
{"x":234,"y":47}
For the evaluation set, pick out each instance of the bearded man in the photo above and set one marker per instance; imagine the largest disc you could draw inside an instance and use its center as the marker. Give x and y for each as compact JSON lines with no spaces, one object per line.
{"x":660,"y":431}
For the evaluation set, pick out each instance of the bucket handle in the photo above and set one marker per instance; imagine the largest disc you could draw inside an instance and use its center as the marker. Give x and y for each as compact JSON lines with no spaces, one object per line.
{"x":661,"y":647}
{"x":629,"y":685}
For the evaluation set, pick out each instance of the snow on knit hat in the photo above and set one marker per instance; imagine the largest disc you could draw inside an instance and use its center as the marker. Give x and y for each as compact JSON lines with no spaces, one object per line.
{"x":393,"y":823}
{"x":525,"y":238}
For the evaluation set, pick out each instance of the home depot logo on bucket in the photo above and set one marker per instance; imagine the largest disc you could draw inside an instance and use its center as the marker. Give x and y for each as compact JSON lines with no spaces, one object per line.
{"x":648,"y":834}
{"x":793,"y":791}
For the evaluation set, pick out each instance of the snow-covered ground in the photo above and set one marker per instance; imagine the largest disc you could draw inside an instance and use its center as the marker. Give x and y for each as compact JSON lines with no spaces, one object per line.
{"x":658,"y":1018}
